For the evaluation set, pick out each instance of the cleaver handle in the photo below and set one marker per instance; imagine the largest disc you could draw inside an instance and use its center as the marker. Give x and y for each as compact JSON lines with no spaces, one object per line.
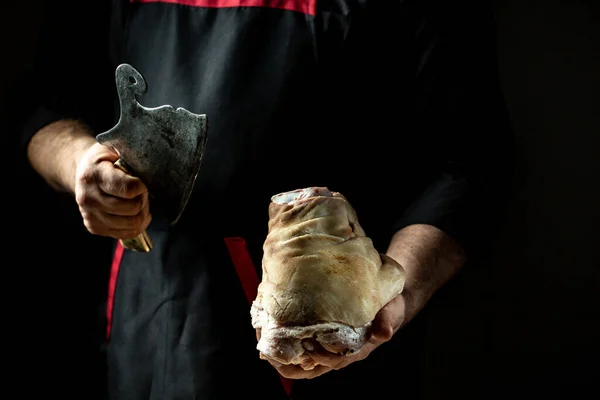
{"x":141,"y":242}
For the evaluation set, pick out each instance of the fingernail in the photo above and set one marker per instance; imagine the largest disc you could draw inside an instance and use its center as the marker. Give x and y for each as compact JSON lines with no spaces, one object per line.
{"x":308,"y":346}
{"x":276,"y":363}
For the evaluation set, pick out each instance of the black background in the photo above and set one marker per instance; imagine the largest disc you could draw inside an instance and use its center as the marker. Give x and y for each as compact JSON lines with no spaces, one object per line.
{"x":527,"y":324}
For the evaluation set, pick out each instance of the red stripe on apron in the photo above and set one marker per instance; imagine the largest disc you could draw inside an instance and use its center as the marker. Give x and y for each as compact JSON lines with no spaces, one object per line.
{"x":112,"y":285}
{"x":240,"y":257}
{"x":308,"y":7}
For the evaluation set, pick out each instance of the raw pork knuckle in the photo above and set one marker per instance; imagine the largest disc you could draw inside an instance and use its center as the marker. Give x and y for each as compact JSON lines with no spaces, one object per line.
{"x":322,"y":279}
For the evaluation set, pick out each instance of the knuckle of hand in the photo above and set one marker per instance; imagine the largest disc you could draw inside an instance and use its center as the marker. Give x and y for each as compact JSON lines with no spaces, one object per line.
{"x":131,"y":189}
{"x":84,"y":199}
{"x":138,"y":206}
{"x":137,"y":222}
{"x":387,"y":333}
{"x":91,"y":227}
{"x":87,"y":177}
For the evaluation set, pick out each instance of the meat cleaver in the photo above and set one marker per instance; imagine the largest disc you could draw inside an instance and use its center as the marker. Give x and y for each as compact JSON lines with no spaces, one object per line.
{"x":162,"y":146}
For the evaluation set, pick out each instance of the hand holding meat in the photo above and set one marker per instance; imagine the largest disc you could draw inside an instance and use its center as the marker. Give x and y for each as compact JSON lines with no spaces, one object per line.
{"x":327,"y":296}
{"x":111,"y":202}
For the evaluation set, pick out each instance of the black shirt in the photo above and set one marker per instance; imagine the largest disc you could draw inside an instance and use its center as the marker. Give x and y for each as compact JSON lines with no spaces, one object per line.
{"x":394,"y":105}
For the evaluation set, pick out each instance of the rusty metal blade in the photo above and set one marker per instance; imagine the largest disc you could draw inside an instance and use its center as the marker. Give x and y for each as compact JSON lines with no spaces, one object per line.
{"x":162,"y":146}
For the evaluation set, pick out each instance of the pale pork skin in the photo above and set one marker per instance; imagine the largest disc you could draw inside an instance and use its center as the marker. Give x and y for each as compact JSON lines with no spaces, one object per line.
{"x":322,"y":278}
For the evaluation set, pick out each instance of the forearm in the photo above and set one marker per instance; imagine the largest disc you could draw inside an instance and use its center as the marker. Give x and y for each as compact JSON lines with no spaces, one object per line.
{"x":55,"y":150}
{"x":430,"y":258}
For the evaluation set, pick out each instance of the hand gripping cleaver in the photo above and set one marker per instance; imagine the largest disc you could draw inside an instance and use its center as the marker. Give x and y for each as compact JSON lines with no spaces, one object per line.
{"x":162,"y":146}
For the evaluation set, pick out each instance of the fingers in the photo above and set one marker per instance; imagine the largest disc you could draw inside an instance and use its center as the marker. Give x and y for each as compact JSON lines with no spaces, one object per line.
{"x":115,"y":182}
{"x":94,"y":198}
{"x":336,"y":361}
{"x":321,"y":361}
{"x":297,"y":372}
{"x":111,"y":202}
{"x":322,"y":356}
{"x":119,"y":227}
{"x":308,"y":370}
{"x":387,"y":321}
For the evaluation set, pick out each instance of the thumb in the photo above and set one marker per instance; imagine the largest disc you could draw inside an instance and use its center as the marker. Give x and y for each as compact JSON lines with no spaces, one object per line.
{"x":105,"y":153}
{"x":388,"y":320}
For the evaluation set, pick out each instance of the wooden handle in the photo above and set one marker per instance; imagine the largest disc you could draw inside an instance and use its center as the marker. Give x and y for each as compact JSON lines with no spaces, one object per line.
{"x":141,"y":242}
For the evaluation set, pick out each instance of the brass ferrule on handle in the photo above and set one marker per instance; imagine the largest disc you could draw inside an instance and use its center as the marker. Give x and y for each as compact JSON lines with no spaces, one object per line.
{"x":141,"y":242}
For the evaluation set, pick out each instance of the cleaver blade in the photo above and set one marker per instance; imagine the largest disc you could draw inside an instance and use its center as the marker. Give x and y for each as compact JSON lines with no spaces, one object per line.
{"x":162,"y":146}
